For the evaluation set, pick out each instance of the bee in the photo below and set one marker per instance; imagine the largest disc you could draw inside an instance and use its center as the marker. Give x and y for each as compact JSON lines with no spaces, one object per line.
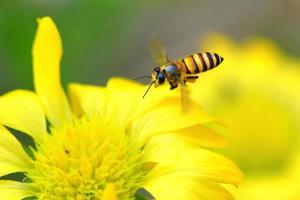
{"x":181,"y":71}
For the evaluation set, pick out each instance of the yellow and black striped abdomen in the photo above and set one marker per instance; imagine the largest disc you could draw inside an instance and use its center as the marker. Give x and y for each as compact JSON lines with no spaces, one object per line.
{"x":201,"y":62}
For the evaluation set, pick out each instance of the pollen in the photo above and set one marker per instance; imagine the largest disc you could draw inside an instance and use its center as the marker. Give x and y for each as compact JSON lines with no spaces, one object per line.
{"x":80,"y":160}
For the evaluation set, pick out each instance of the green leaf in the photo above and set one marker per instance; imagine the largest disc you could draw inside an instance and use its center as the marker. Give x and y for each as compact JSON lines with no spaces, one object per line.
{"x":143,"y":194}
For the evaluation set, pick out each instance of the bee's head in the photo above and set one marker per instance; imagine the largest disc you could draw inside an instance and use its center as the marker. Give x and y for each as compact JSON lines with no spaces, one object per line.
{"x":158,"y":77}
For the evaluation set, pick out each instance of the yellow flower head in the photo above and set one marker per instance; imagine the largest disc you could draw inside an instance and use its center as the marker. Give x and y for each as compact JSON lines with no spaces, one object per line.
{"x":255,"y":93}
{"x":105,"y":142}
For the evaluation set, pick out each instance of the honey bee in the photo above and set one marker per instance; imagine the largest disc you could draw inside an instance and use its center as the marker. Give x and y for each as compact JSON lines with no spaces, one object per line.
{"x":181,"y":71}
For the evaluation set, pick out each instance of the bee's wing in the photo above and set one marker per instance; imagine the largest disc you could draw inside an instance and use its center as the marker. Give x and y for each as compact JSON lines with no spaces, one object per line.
{"x":158,"y":51}
{"x":185,"y":96}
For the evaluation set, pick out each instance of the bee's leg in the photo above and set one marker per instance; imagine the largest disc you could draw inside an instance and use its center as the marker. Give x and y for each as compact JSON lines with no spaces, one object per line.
{"x":173,"y":87}
{"x":172,"y":83}
{"x":190,"y":79}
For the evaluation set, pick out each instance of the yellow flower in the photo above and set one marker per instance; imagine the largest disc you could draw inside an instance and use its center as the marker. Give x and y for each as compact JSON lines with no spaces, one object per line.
{"x":106,"y":142}
{"x":255,"y":92}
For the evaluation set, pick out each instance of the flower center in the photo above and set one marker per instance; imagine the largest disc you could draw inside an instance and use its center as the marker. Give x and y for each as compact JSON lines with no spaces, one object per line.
{"x":78,"y":161}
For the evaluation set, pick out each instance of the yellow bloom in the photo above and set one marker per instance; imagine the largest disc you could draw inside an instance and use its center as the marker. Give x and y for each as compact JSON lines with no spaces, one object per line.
{"x":255,"y":93}
{"x":106,"y":142}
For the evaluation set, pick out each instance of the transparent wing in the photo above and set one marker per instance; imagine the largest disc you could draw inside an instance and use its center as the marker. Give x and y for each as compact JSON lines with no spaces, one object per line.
{"x":158,"y":51}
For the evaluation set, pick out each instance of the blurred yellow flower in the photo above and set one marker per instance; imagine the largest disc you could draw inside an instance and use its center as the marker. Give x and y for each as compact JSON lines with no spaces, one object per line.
{"x":255,"y":92}
{"x":106,"y":142}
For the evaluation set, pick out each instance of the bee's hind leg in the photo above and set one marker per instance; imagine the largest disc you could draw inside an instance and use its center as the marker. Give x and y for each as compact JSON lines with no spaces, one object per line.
{"x":191,"y":79}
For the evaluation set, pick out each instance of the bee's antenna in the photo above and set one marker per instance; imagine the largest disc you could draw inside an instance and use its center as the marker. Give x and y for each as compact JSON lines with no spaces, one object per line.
{"x":148,"y":88}
{"x":143,"y":77}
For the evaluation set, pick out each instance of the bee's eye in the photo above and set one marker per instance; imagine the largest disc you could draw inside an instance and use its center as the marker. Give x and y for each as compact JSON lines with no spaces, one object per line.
{"x":161,"y":78}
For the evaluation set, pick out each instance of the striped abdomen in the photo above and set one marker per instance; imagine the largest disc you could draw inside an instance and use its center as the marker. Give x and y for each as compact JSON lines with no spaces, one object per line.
{"x":201,"y":62}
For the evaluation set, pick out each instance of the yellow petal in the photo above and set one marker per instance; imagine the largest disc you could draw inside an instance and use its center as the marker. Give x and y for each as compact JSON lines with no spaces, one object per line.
{"x":12,"y":156}
{"x":202,"y":135}
{"x":109,"y":192}
{"x":122,"y":84}
{"x":210,"y":190}
{"x":124,"y":97}
{"x":167,"y":117}
{"x":157,"y":113}
{"x":87,"y":99}
{"x":178,"y":187}
{"x":166,"y":148}
{"x":185,"y":160}
{"x":127,"y":96}
{"x":13,"y":190}
{"x":212,"y":166}
{"x":21,"y":110}
{"x":172,"y":187}
{"x":47,"y":53}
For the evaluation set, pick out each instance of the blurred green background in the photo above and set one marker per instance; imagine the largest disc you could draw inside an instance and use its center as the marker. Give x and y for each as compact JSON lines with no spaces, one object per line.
{"x":104,"y":38}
